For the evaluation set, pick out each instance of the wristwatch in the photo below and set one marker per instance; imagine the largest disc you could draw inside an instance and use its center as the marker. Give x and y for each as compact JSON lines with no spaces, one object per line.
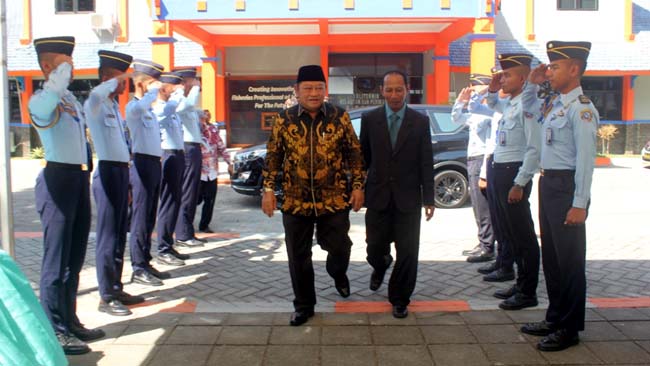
{"x":518,"y":186}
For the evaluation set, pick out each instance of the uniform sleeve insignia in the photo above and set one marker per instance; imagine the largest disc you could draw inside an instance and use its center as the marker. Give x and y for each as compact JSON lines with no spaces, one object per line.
{"x":586,"y":115}
{"x":584,"y":99}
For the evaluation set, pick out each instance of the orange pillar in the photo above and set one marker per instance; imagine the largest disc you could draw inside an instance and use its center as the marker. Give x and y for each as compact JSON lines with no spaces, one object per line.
{"x":627,"y":110}
{"x":324,"y":60}
{"x":123,"y":98}
{"x":440,"y":78}
{"x":24,"y":100}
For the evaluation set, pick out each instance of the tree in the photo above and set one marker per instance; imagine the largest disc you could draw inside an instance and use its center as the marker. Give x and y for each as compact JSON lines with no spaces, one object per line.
{"x":606,"y":133}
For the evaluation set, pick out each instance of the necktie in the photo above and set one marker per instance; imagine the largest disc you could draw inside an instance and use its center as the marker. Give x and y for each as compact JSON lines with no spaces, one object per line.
{"x":393,"y":128}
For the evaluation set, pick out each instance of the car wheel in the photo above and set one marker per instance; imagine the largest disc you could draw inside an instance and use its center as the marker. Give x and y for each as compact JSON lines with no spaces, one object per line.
{"x":451,"y":189}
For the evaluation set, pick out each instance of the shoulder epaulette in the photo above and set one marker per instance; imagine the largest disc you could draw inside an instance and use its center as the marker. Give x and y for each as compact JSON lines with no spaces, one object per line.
{"x":584,"y":99}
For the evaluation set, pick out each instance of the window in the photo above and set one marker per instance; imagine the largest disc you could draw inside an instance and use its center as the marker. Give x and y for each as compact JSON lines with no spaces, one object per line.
{"x":577,"y":4}
{"x":74,"y":6}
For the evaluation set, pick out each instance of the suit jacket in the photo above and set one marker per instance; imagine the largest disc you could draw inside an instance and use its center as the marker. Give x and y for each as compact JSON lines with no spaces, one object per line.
{"x":405,"y":172}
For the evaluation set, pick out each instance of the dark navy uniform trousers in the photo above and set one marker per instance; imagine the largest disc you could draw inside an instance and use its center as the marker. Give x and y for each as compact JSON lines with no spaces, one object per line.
{"x":563,"y":252}
{"x":505,"y":258}
{"x":111,"y":191}
{"x":480,"y":204}
{"x":145,"y":190}
{"x":190,"y":191}
{"x":63,"y":203}
{"x":173,"y":163}
{"x":207,"y":195}
{"x":518,"y":228}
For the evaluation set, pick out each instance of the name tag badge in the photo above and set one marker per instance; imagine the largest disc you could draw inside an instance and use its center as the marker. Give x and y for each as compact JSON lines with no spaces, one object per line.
{"x":549,"y":136}
{"x":502,"y":138}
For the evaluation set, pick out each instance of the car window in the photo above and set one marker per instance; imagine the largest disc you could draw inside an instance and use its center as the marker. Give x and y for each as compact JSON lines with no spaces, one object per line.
{"x":441,"y":122}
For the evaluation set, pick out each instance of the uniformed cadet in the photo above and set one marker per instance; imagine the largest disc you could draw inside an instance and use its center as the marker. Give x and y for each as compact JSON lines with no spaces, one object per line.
{"x":173,"y":164}
{"x":569,"y":123}
{"x":516,"y":160}
{"x":62,"y":192}
{"x":478,"y":122}
{"x":145,"y":171}
{"x":187,"y":112}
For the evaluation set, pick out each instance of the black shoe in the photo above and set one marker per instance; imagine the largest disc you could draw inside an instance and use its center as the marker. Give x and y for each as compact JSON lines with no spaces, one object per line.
{"x":500,"y":275}
{"x":159,"y":275}
{"x":506,"y":293}
{"x":178,"y":255}
{"x":488,"y":268}
{"x":113,"y":307}
{"x":400,"y":312}
{"x":72,"y":345}
{"x":541,"y":329}
{"x":482,"y":256}
{"x":85,"y":334}
{"x":558,"y":341}
{"x":343,"y":286}
{"x":477,"y":249}
{"x":207,"y":230}
{"x":377,"y":277}
{"x":169,"y":260}
{"x":518,"y":301}
{"x":189,"y":243}
{"x":300,"y":317}
{"x":201,"y":240}
{"x":145,"y":278}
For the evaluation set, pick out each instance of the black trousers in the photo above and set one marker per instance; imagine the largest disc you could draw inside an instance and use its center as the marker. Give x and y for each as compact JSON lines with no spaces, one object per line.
{"x":207,"y":195}
{"x":563,"y":253}
{"x":518,"y":227}
{"x":145,"y":190}
{"x":505,"y":258}
{"x":190,"y":192}
{"x":391,"y":225}
{"x":173,"y":164}
{"x":63,"y":203}
{"x":332,"y":236}
{"x":480,"y":204}
{"x":110,"y":188}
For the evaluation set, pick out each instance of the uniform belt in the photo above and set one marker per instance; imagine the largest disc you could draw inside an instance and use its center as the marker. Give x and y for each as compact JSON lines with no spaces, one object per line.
{"x":119,"y":164}
{"x":147,"y":156}
{"x":54,"y":164}
{"x":173,"y":151}
{"x":192,"y":143}
{"x":509,"y":165}
{"x":475,"y":157}
{"x":557,"y":173}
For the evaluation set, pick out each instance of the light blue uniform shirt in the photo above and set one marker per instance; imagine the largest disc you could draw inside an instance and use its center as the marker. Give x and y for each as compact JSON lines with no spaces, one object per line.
{"x":399,"y":113}
{"x":58,"y":118}
{"x":143,"y":125}
{"x":170,"y":125}
{"x":186,"y":110}
{"x":518,"y":138}
{"x":479,"y":124}
{"x":490,"y":142}
{"x":106,"y":124}
{"x":568,"y":139}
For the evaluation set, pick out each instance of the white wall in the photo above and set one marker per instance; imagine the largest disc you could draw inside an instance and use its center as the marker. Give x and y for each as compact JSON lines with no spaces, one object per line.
{"x":641,"y":97}
{"x":269,"y":60}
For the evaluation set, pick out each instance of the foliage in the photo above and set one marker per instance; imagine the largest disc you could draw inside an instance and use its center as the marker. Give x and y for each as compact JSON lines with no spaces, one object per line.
{"x":38,"y":153}
{"x":606,"y":133}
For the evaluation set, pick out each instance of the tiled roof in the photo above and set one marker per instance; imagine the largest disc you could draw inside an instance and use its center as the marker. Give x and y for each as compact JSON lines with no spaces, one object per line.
{"x":640,"y":16}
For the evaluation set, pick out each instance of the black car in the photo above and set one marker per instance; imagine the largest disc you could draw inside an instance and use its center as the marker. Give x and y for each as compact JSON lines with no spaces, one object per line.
{"x":449,"y":158}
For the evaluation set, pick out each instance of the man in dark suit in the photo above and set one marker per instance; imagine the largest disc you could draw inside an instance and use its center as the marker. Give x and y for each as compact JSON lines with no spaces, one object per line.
{"x":396,"y":144}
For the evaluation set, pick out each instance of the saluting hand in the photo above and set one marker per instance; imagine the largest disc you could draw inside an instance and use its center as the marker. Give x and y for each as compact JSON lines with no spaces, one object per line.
{"x":356,"y":199}
{"x":495,"y":83}
{"x":428,"y":211}
{"x":269,"y":203}
{"x":575,"y":216}
{"x":538,"y":74}
{"x":464,"y":95}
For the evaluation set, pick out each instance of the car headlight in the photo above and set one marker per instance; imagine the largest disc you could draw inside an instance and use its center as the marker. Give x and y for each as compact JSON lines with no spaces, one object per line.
{"x":248,"y":155}
{"x":244,"y":175}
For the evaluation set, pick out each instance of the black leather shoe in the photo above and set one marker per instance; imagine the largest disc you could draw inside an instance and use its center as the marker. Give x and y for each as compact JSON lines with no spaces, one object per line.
{"x":128,"y":299}
{"x":541,"y":329}
{"x":518,"y":301}
{"x":482,"y":256}
{"x":85,"y":334}
{"x":343,"y":286}
{"x":400,"y":312}
{"x":506,"y":293}
{"x":207,"y":230}
{"x":500,"y":275}
{"x":159,"y":275}
{"x":477,"y":249}
{"x":72,"y":345}
{"x":113,"y":307}
{"x":201,"y":240}
{"x":377,"y":277}
{"x":488,"y":268}
{"x":169,"y":260}
{"x":178,"y":255}
{"x":189,"y":243}
{"x":300,"y":317}
{"x":558,"y":341}
{"x":145,"y":278}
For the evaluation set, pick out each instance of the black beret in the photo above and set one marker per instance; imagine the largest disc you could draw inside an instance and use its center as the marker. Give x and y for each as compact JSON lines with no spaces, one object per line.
{"x":114,"y":60}
{"x":508,"y":60}
{"x":310,"y":73}
{"x":148,"y":67}
{"x":558,"y":50}
{"x":186,"y":72}
{"x":171,"y":78}
{"x":63,"y":45}
{"x":479,"y":79}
